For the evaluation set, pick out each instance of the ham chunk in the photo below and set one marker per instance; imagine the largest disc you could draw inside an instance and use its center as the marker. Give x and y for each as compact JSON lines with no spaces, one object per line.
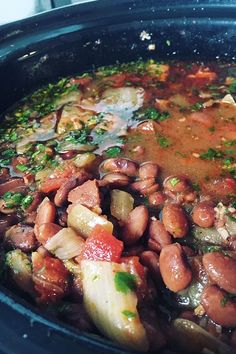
{"x":87,"y":194}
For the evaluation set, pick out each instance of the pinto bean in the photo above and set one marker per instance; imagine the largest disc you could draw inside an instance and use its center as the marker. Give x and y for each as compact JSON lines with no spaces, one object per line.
{"x":135,"y":225}
{"x":46,"y":213}
{"x":176,"y":184}
{"x":62,"y":193}
{"x":114,"y":180}
{"x":158,"y":236}
{"x":221,"y":270}
{"x":175,"y":271}
{"x":146,"y":186}
{"x":120,"y":165}
{"x":46,"y":231}
{"x":37,"y":199}
{"x":156,"y":199}
{"x":150,"y":260}
{"x":148,"y":170}
{"x":21,"y":236}
{"x":175,"y":220}
{"x":6,"y":221}
{"x":220,"y":189}
{"x":203,"y":214}
{"x":13,"y":185}
{"x":218,"y":306}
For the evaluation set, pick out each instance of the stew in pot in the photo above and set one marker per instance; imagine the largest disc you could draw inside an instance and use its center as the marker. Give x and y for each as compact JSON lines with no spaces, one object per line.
{"x":118,"y":203}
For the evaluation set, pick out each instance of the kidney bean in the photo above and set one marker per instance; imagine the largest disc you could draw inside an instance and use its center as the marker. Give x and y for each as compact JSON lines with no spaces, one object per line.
{"x":188,"y":251}
{"x":220,"y":308}
{"x":156,"y":199}
{"x":46,"y":213}
{"x":37,"y":199}
{"x":114,"y":180}
{"x":176,"y":184}
{"x":150,"y":260}
{"x":221,"y":270}
{"x":203,"y":214}
{"x":175,"y":220}
{"x":120,"y":165}
{"x":62,"y":193}
{"x":220,"y":189}
{"x":21,"y":236}
{"x":135,"y":225}
{"x":13,"y":185}
{"x":148,"y":170}
{"x":6,"y":221}
{"x":46,"y":231}
{"x":175,"y":271}
{"x":146,"y":186}
{"x":158,"y":236}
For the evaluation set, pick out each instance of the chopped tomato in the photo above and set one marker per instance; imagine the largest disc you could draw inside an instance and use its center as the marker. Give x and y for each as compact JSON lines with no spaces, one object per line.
{"x":50,"y":278}
{"x":102,"y":246}
{"x":83,"y":81}
{"x":51,"y":184}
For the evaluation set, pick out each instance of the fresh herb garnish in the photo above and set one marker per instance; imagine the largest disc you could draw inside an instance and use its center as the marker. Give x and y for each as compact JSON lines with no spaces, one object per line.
{"x":154,"y":114}
{"x":21,"y":168}
{"x":232,"y":87}
{"x":196,"y":107}
{"x":128,"y":314}
{"x":211,"y":154}
{"x":26,"y":201}
{"x":211,"y":129}
{"x":124,"y":282}
{"x":174,"y":181}
{"x":13,"y":200}
{"x":163,"y":141}
{"x":113,"y":151}
{"x":196,"y":186}
{"x":210,"y":248}
{"x":226,"y":298}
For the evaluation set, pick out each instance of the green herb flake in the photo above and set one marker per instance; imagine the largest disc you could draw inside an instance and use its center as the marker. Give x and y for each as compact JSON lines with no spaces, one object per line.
{"x":124,"y":282}
{"x":212,"y":129}
{"x":233,"y":205}
{"x":232,"y":87}
{"x":128,"y":314}
{"x":196,"y":187}
{"x":209,"y":249}
{"x":211,"y":154}
{"x":231,"y":217}
{"x":26,"y":201}
{"x":113,"y":151}
{"x":163,"y":141}
{"x":154,"y":114}
{"x":174,"y":181}
{"x":21,"y":168}
{"x":196,"y":107}
{"x":178,"y":153}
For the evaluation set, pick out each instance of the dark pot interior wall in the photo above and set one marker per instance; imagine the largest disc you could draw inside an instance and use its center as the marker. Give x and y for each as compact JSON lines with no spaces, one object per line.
{"x":40,"y":49}
{"x":76,"y":38}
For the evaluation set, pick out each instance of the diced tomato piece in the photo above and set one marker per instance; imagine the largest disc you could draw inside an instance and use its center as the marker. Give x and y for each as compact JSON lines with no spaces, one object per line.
{"x":51,"y":184}
{"x":135,"y":265}
{"x":83,"y":81}
{"x":102,"y":246}
{"x":50,"y":278}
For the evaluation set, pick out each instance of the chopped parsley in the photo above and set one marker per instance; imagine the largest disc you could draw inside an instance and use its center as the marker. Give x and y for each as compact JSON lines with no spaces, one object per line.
{"x":154,"y":114}
{"x":21,"y":168}
{"x":196,"y":187}
{"x":13,"y":200}
{"x":196,"y":107}
{"x":128,"y":314}
{"x":211,"y":154}
{"x":212,"y":129}
{"x":125,"y":282}
{"x":232,"y":87}
{"x":226,"y":298}
{"x":163,"y":141}
{"x":113,"y":151}
{"x":174,"y":181}
{"x":210,"y":248}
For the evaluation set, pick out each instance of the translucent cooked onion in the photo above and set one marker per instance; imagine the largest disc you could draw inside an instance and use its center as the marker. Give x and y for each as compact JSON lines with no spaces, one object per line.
{"x":66,"y":244}
{"x":194,"y":339}
{"x":122,"y":99}
{"x":209,"y":235}
{"x":83,"y":220}
{"x":122,"y":204}
{"x":113,"y":311}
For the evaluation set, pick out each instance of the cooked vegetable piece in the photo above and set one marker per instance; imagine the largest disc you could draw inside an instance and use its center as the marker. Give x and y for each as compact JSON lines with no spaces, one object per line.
{"x":83,"y":220}
{"x":65,"y":244}
{"x":114,"y":312}
{"x":122,"y":204}
{"x":102,"y":246}
{"x":20,"y":269}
